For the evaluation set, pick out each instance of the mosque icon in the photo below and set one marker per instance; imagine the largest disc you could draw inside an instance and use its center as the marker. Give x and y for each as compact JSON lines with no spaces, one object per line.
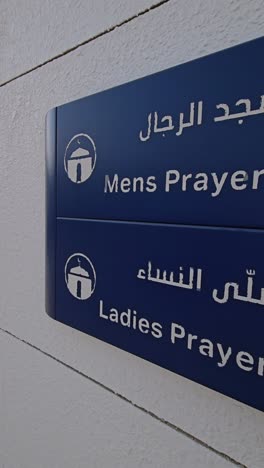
{"x":80,"y":276}
{"x":80,"y":158}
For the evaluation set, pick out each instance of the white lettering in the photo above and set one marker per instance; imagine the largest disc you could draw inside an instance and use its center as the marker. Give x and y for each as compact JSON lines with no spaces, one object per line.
{"x":138,"y":181}
{"x":151,"y":184}
{"x":177,"y":331}
{"x":239,"y":177}
{"x":125,"y":318}
{"x":101,"y":308}
{"x":113,"y":316}
{"x":143,"y":325}
{"x":244,"y":360}
{"x":111,"y":188}
{"x":224,"y":356}
{"x":125,"y":185}
{"x":261,"y":366}
{"x":207,"y":349}
{"x":218,"y":183}
{"x":256,"y":176}
{"x":172,"y":177}
{"x":185,"y":177}
{"x":190,"y":340}
{"x":156,"y":330}
{"x":201,"y":184}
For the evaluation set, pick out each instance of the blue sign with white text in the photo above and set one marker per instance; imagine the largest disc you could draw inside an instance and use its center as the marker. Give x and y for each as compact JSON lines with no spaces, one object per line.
{"x":154,"y":219}
{"x":182,"y":146}
{"x":190,"y":299}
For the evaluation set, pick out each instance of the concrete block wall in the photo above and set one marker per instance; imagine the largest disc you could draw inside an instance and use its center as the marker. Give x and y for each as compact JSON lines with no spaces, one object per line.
{"x":66,"y":399}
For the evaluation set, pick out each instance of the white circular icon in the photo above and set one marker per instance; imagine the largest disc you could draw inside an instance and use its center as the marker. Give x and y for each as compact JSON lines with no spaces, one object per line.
{"x":80,"y":158}
{"x":80,"y":276}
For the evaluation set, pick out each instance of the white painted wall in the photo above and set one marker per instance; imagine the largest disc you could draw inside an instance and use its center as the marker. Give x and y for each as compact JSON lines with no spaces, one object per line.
{"x":107,"y":408}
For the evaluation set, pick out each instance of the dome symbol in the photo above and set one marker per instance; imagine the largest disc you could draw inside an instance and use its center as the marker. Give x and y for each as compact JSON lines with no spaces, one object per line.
{"x":80,"y":276}
{"x":80,"y":158}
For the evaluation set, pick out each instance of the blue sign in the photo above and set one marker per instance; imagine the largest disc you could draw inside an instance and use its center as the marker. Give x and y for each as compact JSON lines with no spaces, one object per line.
{"x":154,"y":233}
{"x":181,"y":146}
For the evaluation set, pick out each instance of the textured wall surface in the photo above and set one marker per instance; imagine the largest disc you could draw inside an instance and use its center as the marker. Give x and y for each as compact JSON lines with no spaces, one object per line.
{"x":66,"y":399}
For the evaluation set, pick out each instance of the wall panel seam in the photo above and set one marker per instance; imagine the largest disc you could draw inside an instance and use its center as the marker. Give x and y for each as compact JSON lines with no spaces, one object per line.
{"x":127,"y":400}
{"x":87,"y":41}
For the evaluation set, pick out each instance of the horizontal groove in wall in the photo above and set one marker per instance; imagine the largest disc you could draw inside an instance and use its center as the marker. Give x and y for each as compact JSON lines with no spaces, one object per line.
{"x":87,"y":41}
{"x":127,"y":400}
